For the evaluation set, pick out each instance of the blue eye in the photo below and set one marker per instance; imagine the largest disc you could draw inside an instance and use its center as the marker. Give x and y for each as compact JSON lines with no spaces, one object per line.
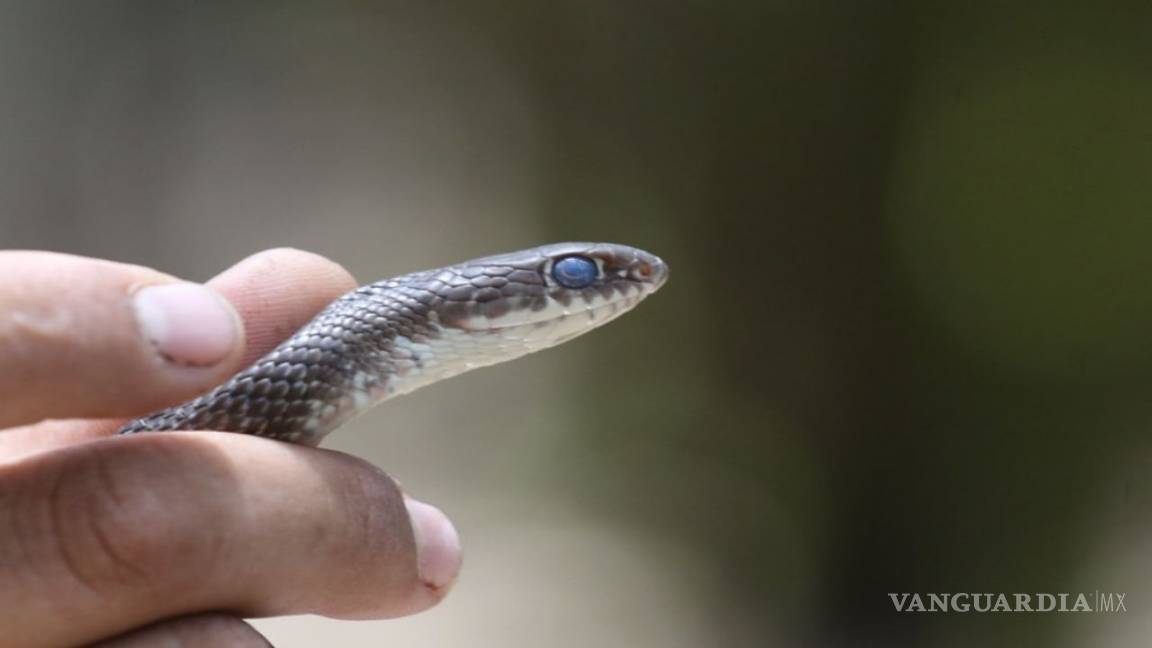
{"x":575,"y":272}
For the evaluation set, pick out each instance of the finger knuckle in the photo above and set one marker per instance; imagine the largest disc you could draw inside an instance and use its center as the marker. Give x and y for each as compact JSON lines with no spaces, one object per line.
{"x":131,"y":516}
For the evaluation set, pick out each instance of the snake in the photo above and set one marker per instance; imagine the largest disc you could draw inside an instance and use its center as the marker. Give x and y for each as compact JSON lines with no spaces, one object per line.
{"x":396,"y":335}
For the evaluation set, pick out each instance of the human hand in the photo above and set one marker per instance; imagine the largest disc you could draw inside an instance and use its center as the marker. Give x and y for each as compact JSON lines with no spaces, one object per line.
{"x":174,"y":536}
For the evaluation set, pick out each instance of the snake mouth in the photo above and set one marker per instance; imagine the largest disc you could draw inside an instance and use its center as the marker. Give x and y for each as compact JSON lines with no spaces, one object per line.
{"x":552,"y":316}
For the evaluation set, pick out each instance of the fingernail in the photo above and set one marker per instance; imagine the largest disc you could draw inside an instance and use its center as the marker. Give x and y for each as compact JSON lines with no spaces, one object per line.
{"x":437,"y":544}
{"x":188,"y":323}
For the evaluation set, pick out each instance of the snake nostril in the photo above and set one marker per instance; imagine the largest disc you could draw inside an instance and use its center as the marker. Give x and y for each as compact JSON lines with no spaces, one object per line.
{"x":643,"y":271}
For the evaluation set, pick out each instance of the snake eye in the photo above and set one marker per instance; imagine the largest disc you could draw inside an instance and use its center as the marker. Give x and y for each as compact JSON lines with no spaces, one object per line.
{"x":575,"y":272}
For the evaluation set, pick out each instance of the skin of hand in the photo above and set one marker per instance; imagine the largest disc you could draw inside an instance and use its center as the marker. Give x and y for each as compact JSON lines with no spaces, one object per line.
{"x":172,"y":538}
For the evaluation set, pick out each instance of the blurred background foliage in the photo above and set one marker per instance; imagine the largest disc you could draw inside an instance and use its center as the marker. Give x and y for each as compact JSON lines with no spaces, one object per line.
{"x":904,"y":347}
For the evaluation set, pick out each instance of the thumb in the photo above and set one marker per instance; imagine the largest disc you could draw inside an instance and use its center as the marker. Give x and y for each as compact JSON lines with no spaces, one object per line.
{"x":82,"y":337}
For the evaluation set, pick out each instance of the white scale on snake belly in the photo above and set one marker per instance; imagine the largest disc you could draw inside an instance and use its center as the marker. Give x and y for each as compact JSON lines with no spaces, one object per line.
{"x":365,"y":390}
{"x":416,"y":364}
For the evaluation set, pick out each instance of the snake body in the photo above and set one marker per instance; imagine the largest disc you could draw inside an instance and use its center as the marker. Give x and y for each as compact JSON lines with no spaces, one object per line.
{"x":396,"y":335}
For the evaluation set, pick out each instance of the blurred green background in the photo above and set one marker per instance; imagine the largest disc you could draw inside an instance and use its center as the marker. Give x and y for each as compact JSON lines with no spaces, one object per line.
{"x":904,"y":347}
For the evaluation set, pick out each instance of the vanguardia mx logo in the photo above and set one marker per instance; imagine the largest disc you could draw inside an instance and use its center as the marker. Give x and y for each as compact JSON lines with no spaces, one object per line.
{"x":964,"y":602}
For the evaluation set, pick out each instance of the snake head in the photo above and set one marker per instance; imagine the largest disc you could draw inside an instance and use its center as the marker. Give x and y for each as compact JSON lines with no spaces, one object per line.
{"x":548,"y":294}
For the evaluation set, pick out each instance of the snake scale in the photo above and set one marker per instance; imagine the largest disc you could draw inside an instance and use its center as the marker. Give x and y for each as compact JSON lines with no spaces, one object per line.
{"x":397,"y":335}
